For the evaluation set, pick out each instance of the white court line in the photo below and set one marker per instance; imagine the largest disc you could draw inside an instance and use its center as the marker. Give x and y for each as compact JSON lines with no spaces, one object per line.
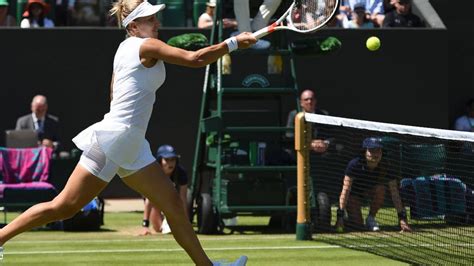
{"x":164,"y":250}
{"x":145,"y":239}
{"x":233,"y":238}
{"x":254,"y":248}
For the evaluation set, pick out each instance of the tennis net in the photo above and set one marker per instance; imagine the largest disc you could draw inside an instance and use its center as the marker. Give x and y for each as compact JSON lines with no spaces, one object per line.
{"x":433,"y":171}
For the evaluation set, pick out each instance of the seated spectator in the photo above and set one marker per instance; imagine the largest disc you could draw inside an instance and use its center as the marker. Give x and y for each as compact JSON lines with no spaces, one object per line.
{"x":358,"y":19}
{"x":320,"y":144}
{"x":169,"y":162}
{"x":365,"y":178}
{"x":374,"y":10}
{"x":35,"y":15}
{"x":402,"y":16}
{"x":388,"y":5}
{"x":6,"y":20}
{"x":308,"y":104}
{"x":206,"y":20}
{"x":46,"y":125}
{"x":264,"y":14}
{"x":466,"y":122}
{"x":84,"y":12}
{"x":336,"y":21}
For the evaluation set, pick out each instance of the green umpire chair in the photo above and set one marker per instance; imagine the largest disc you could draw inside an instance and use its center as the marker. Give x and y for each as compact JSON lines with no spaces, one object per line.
{"x":174,"y":15}
{"x":199,"y":7}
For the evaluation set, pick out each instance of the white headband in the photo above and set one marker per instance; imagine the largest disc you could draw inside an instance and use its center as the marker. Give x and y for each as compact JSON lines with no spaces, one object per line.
{"x":142,"y":10}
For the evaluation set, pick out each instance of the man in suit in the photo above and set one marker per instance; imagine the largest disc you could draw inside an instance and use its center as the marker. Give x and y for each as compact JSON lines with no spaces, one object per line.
{"x":46,"y":125}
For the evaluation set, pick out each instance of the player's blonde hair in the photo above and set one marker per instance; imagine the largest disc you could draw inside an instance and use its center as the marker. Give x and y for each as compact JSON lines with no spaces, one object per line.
{"x":122,"y":8}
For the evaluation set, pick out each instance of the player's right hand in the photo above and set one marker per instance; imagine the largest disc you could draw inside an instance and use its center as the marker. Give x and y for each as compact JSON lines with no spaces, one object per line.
{"x":245,"y":40}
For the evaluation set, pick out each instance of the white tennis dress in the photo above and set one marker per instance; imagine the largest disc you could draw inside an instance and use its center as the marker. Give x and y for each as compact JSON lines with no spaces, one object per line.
{"x":121,"y":134}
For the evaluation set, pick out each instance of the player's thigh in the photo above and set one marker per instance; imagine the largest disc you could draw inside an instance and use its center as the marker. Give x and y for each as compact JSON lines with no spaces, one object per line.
{"x":152,"y":183}
{"x":81,"y":188}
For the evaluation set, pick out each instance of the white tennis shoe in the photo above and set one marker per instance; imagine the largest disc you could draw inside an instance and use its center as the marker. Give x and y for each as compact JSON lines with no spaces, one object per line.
{"x":372,"y":224}
{"x":165,"y":227}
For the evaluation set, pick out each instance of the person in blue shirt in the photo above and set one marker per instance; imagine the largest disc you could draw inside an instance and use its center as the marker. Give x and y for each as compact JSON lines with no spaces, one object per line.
{"x":366,"y":178}
{"x":466,"y":122}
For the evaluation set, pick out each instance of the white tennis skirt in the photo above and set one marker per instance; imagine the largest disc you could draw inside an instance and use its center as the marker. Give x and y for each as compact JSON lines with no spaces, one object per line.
{"x":113,"y":149}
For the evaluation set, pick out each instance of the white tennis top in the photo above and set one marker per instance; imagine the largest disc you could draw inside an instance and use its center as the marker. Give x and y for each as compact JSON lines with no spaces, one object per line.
{"x":121,"y":134}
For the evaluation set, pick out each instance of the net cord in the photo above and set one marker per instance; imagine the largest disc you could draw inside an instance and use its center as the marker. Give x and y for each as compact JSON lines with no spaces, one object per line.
{"x":391,"y":128}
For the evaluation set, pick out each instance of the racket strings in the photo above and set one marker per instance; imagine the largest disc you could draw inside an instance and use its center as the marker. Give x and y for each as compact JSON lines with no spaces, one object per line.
{"x":308,"y":15}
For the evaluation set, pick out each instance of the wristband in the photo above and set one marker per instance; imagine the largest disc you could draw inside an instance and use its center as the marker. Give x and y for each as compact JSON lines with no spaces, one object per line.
{"x":340,"y":213}
{"x":145,"y":223}
{"x":232,"y":44}
{"x":402,"y":215}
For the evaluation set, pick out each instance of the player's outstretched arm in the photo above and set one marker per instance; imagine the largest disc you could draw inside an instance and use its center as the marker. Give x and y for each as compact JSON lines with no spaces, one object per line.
{"x":156,"y":49}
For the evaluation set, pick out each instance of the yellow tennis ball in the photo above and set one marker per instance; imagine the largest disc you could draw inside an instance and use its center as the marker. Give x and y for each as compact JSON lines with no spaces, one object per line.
{"x":373,"y":43}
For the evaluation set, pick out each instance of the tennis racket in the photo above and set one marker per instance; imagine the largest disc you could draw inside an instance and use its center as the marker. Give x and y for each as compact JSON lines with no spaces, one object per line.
{"x":304,"y":16}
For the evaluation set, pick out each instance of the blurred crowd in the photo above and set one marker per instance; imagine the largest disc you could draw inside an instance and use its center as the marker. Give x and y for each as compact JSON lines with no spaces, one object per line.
{"x":198,"y":13}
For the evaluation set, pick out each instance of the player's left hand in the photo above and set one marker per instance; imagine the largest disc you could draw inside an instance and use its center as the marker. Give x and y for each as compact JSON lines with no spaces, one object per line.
{"x":404,"y":226}
{"x":245,"y":40}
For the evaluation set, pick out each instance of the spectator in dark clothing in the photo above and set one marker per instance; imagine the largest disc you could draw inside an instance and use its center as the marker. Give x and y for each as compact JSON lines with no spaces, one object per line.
{"x":308,"y":104}
{"x":388,"y":6}
{"x":46,"y":126}
{"x":402,"y":16}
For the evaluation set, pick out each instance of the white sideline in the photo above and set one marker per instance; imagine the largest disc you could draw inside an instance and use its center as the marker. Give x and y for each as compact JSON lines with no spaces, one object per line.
{"x":161,"y":239}
{"x":163,"y":250}
{"x":255,"y":248}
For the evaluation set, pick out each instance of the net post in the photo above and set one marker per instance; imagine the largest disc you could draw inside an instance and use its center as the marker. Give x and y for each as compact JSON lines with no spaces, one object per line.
{"x":302,"y":143}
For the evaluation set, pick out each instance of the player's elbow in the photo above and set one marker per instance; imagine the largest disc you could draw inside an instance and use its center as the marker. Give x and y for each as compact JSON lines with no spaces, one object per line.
{"x":195,"y":60}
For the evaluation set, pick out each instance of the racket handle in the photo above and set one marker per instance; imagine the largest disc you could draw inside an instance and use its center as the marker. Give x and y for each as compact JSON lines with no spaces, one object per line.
{"x":261,"y":33}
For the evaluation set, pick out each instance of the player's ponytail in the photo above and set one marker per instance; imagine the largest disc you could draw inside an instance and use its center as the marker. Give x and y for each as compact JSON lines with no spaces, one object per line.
{"x":122,"y":8}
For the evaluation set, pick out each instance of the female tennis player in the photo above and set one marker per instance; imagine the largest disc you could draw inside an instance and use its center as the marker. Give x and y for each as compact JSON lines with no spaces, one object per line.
{"x":117,"y":145}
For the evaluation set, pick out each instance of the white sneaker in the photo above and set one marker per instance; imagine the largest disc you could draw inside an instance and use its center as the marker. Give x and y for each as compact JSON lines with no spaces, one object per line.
{"x":165,"y":227}
{"x":372,"y":224}
{"x":1,"y":253}
{"x":241,"y":261}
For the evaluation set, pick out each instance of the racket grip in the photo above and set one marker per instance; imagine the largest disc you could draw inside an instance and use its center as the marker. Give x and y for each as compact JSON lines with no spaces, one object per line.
{"x":261,"y":33}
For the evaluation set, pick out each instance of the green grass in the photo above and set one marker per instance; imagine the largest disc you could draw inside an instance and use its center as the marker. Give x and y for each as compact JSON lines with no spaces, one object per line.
{"x":431,"y":242}
{"x":119,"y":244}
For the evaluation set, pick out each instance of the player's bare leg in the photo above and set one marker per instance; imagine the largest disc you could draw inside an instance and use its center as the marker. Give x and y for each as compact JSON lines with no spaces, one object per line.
{"x":80,"y":189}
{"x":152,"y":183}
